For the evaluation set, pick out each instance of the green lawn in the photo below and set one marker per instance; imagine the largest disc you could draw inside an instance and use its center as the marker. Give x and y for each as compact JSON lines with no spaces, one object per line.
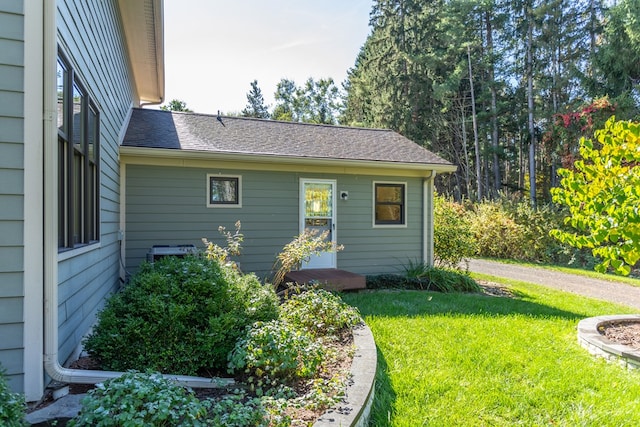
{"x":473,"y":360}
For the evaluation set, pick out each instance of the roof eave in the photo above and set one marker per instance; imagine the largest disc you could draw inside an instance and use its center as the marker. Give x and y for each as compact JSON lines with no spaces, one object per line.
{"x":127,"y":152}
{"x":143,"y":23}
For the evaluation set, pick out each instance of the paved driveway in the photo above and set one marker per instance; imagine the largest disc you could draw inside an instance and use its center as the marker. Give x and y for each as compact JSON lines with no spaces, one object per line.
{"x":620,"y":293}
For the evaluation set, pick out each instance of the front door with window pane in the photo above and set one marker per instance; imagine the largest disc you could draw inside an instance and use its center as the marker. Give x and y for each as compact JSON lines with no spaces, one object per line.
{"x":317,"y":213}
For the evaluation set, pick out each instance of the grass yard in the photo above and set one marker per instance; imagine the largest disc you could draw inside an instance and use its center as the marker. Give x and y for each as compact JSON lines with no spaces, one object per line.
{"x":474,"y":360}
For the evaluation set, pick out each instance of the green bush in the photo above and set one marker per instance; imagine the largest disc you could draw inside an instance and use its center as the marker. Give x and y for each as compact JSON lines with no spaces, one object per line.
{"x":12,"y":405}
{"x":274,"y":353}
{"x":319,"y":312}
{"x":497,"y":234}
{"x":453,"y":240}
{"x":513,"y":230}
{"x":137,"y":399}
{"x":179,"y":316}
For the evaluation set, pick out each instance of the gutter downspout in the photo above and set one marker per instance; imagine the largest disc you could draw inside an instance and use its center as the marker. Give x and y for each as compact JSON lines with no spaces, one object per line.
{"x":50,"y":241}
{"x":427,"y":198}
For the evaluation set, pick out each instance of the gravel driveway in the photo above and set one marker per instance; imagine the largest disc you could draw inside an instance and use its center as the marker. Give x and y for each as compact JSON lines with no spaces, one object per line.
{"x":620,"y":293}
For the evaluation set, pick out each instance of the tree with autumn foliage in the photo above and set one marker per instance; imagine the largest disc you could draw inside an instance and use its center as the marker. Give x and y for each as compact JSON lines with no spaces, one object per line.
{"x":602,"y":194}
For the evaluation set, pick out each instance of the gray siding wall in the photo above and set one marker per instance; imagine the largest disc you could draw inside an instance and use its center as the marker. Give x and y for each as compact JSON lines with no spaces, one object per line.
{"x":12,"y":190}
{"x":91,"y":36}
{"x":167,"y":205}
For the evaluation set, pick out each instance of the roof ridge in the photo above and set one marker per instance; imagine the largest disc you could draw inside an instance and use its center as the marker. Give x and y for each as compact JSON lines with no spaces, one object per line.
{"x":284,"y":122}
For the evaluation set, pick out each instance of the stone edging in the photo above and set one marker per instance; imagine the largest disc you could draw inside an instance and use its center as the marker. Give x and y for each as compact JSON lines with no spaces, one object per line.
{"x":354,"y":411}
{"x":590,"y":338}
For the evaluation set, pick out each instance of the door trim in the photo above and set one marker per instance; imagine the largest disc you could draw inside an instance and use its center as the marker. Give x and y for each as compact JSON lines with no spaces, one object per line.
{"x":301,"y":215}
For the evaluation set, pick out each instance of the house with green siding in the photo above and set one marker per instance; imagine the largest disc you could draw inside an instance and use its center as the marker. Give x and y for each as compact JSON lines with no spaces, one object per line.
{"x":186,"y":174}
{"x":90,"y":182}
{"x":71,"y":73}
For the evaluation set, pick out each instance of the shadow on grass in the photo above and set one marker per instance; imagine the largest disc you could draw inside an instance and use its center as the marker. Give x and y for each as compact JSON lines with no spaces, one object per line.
{"x":385,"y":397}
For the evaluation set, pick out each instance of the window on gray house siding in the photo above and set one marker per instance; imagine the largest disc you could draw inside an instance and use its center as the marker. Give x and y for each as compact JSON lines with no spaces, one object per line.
{"x":78,"y":161}
{"x":389,"y":204}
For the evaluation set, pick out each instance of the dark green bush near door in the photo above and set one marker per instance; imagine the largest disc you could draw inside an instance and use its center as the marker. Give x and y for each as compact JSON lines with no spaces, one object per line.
{"x":180,"y":316}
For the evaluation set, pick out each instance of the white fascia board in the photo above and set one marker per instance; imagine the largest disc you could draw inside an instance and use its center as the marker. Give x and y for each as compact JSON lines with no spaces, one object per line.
{"x":137,"y":155}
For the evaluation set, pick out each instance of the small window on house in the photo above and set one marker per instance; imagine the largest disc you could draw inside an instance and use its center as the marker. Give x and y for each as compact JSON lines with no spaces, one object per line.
{"x":389,"y":203}
{"x":223,"y":191}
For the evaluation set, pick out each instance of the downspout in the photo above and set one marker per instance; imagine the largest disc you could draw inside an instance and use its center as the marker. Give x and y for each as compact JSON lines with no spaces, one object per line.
{"x":50,"y":241}
{"x":427,"y":198}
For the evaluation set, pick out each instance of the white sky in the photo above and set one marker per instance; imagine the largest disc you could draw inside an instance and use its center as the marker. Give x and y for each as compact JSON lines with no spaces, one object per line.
{"x":214,"y":49}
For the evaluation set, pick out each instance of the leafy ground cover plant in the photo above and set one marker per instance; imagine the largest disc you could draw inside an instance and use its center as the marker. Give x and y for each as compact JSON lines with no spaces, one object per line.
{"x":275,"y":353}
{"x":137,"y":399}
{"x":319,"y":312}
{"x":179,"y":316}
{"x":12,"y":405}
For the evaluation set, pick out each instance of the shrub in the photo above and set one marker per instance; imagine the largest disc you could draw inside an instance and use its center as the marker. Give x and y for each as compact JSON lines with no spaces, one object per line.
{"x":300,"y":250}
{"x":274,"y":353}
{"x":137,"y":399}
{"x":179,"y":316}
{"x":453,"y":239}
{"x":497,"y":234}
{"x":319,"y":312}
{"x":12,"y":405}
{"x":424,"y":277}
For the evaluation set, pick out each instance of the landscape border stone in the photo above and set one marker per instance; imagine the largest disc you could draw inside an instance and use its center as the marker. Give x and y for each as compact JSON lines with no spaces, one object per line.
{"x":356,"y":408}
{"x":589,"y":337}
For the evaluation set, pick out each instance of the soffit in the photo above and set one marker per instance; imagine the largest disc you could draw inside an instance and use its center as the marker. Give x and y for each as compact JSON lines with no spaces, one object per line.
{"x":144,"y":31}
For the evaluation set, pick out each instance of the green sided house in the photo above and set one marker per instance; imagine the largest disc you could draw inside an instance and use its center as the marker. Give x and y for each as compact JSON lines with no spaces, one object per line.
{"x":71,"y":72}
{"x":90,"y":182}
{"x":184,"y":175}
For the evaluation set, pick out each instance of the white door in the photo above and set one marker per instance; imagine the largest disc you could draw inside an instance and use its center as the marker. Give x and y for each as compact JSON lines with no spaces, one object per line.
{"x":317,"y":212}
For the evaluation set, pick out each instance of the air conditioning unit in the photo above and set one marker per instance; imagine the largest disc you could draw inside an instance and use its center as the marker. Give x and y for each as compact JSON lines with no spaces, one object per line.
{"x":158,"y":251}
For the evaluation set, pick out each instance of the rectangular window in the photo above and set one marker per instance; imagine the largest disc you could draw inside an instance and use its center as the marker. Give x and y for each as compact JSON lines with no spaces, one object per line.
{"x":78,"y":161}
{"x":389,"y":203}
{"x":224,"y":191}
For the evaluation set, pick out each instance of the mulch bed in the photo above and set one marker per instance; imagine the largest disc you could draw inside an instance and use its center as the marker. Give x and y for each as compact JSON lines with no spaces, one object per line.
{"x":626,"y":333}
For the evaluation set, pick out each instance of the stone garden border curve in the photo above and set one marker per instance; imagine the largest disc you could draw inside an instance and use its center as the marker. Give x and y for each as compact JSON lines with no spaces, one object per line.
{"x":356,"y":408}
{"x":597,"y":344}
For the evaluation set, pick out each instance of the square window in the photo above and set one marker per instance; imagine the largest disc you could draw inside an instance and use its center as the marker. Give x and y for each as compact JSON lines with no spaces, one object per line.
{"x":389,"y":203}
{"x":223,"y":191}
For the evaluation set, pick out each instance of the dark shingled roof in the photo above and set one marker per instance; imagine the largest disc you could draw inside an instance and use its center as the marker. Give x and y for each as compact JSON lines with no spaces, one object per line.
{"x":239,"y":135}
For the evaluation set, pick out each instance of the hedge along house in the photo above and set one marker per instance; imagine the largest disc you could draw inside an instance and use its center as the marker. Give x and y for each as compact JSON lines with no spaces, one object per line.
{"x":70,"y":73}
{"x":185,"y":174}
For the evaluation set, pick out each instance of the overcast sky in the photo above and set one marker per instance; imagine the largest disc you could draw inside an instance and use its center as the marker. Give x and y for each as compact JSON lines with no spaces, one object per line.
{"x":214,"y":49}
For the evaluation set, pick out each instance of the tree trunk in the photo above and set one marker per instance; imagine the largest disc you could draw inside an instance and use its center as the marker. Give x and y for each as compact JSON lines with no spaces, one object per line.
{"x":476,"y":143}
{"x":494,"y":109}
{"x":532,"y":131}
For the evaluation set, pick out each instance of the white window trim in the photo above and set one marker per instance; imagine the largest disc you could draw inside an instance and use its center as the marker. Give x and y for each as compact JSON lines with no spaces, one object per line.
{"x":224,"y":205}
{"x":373,"y":206}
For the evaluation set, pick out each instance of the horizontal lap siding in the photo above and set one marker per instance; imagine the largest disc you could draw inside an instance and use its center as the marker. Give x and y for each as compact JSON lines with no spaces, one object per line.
{"x":12,"y":191}
{"x":91,"y":36}
{"x":167,"y":205}
{"x":369,"y":250}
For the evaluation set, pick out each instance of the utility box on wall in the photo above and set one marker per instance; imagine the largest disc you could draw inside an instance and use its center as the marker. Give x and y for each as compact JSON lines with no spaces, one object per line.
{"x":159,"y":251}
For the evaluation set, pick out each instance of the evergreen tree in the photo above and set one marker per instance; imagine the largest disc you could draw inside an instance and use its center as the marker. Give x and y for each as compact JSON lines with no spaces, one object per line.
{"x":255,"y":103}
